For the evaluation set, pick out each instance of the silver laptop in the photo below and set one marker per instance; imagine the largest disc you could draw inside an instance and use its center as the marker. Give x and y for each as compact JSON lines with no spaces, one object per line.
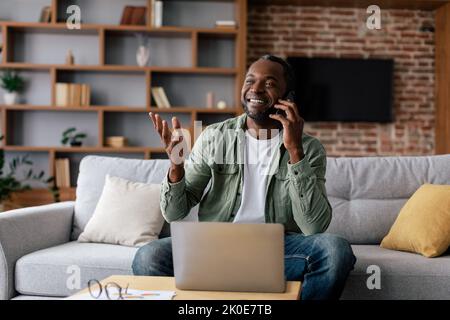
{"x":219,"y":256}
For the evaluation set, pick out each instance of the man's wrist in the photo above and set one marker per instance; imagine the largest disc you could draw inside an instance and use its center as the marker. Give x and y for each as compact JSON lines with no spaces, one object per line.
{"x":296,"y":155}
{"x":176,"y":173}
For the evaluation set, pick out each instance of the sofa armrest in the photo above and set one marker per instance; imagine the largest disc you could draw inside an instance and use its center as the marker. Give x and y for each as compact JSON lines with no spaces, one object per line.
{"x":26,"y":230}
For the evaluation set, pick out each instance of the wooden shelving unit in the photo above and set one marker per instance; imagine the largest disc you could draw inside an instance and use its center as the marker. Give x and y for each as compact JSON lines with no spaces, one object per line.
{"x":13,"y":32}
{"x":442,"y":67}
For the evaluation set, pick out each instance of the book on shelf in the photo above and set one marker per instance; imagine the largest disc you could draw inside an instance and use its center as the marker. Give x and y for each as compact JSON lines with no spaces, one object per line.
{"x":226,"y":24}
{"x":72,"y":95}
{"x":46,"y":14}
{"x":156,"y":13}
{"x":62,"y":92}
{"x":75,"y":94}
{"x":133,"y":15}
{"x":85,"y":95}
{"x":62,"y":172}
{"x":160,"y":97}
{"x":126,"y":15}
{"x":152,"y":13}
{"x":138,"y":16}
{"x":157,"y":98}
{"x":163,"y":96}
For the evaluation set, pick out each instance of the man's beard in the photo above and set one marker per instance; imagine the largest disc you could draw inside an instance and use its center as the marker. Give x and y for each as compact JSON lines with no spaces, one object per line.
{"x":259,"y":117}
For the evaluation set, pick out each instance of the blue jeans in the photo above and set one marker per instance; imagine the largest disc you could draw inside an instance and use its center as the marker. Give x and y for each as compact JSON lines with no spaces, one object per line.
{"x":321,"y":261}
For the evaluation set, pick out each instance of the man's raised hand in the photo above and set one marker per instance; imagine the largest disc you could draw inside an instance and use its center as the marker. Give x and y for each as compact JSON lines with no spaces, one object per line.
{"x":171,"y":138}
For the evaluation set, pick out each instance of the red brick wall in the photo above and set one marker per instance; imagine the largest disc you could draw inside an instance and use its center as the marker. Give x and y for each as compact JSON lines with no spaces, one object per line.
{"x":341,"y":32}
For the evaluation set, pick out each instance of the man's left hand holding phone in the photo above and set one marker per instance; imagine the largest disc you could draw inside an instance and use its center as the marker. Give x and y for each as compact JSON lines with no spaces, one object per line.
{"x":288,"y":114}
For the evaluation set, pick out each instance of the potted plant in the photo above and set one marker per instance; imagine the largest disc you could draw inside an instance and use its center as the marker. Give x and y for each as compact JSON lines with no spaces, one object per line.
{"x":13,"y":84}
{"x":16,"y":180}
{"x":72,"y":137}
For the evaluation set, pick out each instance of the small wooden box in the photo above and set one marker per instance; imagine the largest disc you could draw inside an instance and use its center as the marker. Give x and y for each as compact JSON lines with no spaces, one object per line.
{"x":116,"y":141}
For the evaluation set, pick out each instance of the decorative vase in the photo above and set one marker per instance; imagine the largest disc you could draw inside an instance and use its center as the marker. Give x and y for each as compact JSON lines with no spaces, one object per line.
{"x":10,"y":98}
{"x":142,"y":56}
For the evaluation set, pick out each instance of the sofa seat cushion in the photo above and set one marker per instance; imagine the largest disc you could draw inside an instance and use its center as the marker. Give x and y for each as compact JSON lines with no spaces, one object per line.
{"x":55,"y":271}
{"x":404,"y":275}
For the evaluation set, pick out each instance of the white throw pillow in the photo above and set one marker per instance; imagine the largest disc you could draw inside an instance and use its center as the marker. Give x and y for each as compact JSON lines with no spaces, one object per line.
{"x":127,"y":213}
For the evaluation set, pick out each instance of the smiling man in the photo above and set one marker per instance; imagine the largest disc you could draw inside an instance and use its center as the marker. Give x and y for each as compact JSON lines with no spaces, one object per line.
{"x":277,"y":175}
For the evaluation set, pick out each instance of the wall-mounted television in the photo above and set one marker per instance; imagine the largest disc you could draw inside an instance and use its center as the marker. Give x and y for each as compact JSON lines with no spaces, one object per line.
{"x":348,"y":90}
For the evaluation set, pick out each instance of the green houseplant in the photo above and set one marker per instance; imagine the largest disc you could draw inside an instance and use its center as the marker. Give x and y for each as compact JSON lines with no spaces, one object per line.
{"x":17,"y":178}
{"x":71,"y":136}
{"x":13,"y":83}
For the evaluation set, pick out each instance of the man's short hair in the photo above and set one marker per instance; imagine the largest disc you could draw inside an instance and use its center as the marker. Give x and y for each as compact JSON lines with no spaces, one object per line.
{"x":289,"y":75}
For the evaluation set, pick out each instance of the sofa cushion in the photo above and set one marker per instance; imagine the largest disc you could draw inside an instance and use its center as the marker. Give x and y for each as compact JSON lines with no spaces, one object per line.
{"x":47,"y":272}
{"x":367,"y":193}
{"x":404,"y":275}
{"x":423,"y":225}
{"x":91,"y":179}
{"x":128,"y":213}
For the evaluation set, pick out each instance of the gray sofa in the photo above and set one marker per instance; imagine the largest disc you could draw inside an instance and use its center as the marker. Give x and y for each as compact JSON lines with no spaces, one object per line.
{"x":39,"y":257}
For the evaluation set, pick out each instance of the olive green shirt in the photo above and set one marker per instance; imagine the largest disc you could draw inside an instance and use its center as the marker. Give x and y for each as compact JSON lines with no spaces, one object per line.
{"x":296,"y":195}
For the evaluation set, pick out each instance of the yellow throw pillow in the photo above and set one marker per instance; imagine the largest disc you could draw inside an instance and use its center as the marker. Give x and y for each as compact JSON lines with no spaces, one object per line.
{"x":423,"y":224}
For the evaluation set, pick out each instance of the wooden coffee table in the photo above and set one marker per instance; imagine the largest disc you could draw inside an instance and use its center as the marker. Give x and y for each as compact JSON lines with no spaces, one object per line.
{"x":168,"y":283}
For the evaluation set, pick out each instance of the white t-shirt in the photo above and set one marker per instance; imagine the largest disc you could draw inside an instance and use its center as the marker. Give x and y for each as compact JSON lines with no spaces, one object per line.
{"x":258,"y":155}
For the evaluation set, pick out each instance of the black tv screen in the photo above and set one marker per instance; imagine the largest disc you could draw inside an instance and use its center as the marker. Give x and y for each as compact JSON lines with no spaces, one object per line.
{"x":332,"y":89}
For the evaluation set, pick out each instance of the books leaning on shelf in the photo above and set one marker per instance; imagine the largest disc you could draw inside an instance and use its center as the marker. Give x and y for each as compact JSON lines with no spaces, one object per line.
{"x":62,"y":172}
{"x":225,"y":24}
{"x":73,"y":95}
{"x":132,"y":15}
{"x":46,"y":14}
{"x":156,"y":13}
{"x":160,"y":97}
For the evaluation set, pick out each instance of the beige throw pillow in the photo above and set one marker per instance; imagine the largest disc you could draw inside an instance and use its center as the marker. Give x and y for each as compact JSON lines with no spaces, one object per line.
{"x":127,"y":213}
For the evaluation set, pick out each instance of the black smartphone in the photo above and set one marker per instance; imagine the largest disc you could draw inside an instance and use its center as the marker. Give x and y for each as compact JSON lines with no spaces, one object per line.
{"x":290,"y":96}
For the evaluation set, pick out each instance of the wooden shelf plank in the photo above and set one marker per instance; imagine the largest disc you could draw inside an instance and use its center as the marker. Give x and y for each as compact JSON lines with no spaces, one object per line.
{"x":101,"y":47}
{"x":230,"y":71}
{"x":4,"y":37}
{"x":119,"y":109}
{"x":84,"y":149}
{"x":111,"y":27}
{"x":119,"y":68}
{"x":54,"y":11}
{"x":25,"y":148}
{"x":54,"y":108}
{"x":192,"y":109}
